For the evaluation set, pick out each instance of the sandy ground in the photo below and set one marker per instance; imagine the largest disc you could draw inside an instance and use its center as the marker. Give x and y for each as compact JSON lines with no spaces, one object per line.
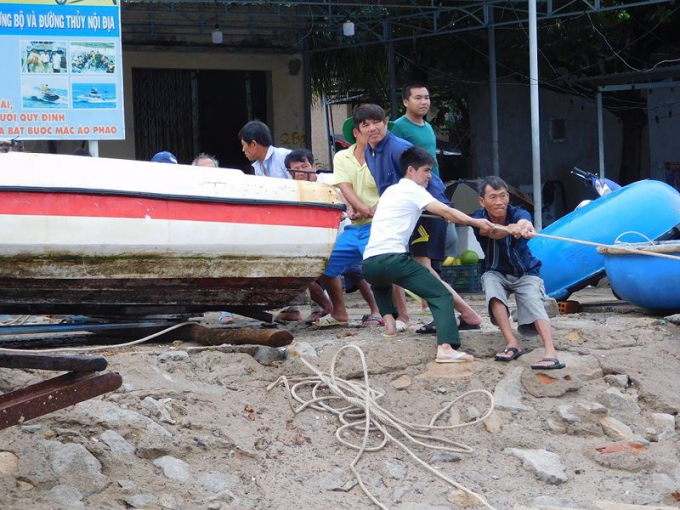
{"x":198,"y":429}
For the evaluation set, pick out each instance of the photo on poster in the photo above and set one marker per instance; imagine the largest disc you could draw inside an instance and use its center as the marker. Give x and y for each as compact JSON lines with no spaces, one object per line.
{"x":93,"y":57}
{"x":44,"y":92}
{"x":93,"y":95}
{"x":43,"y":57}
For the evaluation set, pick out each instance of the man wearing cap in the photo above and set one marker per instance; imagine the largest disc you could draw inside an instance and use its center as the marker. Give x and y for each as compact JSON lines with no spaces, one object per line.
{"x":164,"y":157}
{"x":354,"y":179}
{"x":382,"y":157}
{"x":256,"y":143}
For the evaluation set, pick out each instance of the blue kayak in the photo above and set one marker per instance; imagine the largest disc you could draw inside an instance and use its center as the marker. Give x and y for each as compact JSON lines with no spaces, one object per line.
{"x":644,"y":280}
{"x":650,"y":208}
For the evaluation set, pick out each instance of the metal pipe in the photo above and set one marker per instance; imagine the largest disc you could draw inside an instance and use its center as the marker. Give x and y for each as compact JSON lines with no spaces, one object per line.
{"x":600,"y":133}
{"x":535,"y":121}
{"x":493,"y":90}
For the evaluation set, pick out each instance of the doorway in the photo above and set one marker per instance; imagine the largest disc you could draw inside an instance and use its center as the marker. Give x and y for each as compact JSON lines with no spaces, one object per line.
{"x":191,"y":111}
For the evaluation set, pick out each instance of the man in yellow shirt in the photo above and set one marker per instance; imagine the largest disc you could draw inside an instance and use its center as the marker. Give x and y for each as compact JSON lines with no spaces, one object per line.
{"x":354,"y":179}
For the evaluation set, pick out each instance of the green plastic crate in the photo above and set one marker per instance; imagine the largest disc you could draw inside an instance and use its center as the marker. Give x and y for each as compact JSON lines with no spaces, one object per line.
{"x":465,"y":278}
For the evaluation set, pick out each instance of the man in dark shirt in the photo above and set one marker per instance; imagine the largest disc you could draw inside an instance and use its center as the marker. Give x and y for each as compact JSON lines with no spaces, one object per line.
{"x":382,"y":157}
{"x":510,"y":267}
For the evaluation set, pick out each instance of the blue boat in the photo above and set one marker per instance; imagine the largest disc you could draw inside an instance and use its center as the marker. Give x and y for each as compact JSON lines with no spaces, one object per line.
{"x":644,"y":280}
{"x":650,"y":208}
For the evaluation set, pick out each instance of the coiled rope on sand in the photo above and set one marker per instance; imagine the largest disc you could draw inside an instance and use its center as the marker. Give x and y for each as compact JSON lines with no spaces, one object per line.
{"x":356,"y":406}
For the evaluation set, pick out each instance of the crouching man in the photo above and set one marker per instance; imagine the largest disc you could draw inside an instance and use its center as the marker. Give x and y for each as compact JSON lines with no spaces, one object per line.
{"x":510,"y":267}
{"x":387,"y":260}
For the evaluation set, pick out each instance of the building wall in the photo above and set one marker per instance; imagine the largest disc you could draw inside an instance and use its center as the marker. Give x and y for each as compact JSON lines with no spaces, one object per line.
{"x":663,"y":126}
{"x":287,"y":118}
{"x":319,"y":145}
{"x":579,"y":147}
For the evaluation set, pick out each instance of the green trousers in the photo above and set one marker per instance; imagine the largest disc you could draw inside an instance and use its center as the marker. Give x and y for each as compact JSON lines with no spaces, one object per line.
{"x":382,"y":271}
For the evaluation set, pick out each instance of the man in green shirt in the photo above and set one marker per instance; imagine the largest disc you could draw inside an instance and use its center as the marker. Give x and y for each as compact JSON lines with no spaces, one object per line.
{"x":412,"y":126}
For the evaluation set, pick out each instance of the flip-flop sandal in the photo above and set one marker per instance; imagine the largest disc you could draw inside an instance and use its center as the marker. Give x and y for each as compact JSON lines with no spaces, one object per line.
{"x":459,"y":357}
{"x":464,"y":326}
{"x":427,"y":329}
{"x":516,"y":353}
{"x":319,"y":315}
{"x":330,"y":322}
{"x":403,"y":328}
{"x":371,"y":321}
{"x":556,"y":365}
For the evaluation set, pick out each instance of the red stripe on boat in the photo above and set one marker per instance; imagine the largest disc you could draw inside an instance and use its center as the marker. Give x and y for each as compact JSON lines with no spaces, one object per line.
{"x":99,"y":206}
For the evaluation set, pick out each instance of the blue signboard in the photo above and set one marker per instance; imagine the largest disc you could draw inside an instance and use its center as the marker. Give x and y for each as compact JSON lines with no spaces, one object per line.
{"x":62,"y":70}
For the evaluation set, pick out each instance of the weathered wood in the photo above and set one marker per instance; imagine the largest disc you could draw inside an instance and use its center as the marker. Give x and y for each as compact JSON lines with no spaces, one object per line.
{"x":54,"y":362}
{"x":241,"y":336}
{"x":48,"y":396}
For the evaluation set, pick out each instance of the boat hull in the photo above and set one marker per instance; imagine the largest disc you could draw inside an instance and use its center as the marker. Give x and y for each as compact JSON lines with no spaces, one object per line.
{"x":110,"y":236}
{"x":649,"y":207}
{"x":646,"y":281}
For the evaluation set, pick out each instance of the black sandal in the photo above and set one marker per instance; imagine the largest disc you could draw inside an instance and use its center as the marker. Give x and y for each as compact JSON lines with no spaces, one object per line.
{"x":427,"y":329}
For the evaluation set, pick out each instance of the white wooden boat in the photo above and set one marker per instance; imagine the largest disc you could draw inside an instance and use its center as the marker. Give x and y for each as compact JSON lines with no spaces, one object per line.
{"x":94,"y":235}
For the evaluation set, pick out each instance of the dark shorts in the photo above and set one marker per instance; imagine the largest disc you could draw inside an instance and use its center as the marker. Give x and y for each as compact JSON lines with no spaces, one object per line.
{"x":352,"y":278}
{"x":429,"y":238}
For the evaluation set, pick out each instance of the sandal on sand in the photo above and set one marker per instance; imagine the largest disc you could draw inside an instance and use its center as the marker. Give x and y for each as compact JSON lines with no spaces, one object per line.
{"x":313,"y":317}
{"x":427,"y":329}
{"x":371,"y":321}
{"x":556,"y":365}
{"x":464,"y":326}
{"x":459,"y":357}
{"x":514,"y":351}
{"x":402,"y":327}
{"x":330,"y":322}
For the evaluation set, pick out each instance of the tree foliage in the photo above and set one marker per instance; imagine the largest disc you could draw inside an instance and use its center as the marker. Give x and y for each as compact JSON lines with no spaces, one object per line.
{"x":574,"y":54}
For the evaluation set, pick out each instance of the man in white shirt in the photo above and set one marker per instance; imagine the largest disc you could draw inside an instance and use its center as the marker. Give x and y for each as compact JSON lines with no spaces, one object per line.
{"x":387,"y":260}
{"x":256,"y":143}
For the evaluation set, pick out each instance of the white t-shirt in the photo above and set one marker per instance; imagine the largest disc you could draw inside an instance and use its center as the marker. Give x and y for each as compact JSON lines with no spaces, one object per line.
{"x":398,"y":211}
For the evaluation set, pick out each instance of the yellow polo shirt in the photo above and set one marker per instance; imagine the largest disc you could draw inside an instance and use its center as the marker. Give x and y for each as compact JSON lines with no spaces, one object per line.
{"x":346,"y":168}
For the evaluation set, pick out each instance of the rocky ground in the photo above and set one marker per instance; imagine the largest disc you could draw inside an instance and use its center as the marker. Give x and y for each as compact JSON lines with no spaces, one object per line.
{"x":195,"y":428}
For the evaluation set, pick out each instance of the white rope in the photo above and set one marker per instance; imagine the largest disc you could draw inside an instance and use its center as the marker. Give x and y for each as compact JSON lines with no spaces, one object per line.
{"x":356,"y":406}
{"x":99,"y":347}
{"x":600,"y":245}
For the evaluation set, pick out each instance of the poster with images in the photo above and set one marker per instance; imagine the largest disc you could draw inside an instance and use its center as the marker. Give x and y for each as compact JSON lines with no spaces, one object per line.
{"x":62,"y":63}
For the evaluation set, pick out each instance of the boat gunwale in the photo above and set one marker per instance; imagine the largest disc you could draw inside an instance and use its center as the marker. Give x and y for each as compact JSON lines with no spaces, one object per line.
{"x":170,"y":197}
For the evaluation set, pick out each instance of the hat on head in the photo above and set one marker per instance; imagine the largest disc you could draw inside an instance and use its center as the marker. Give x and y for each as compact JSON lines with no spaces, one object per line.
{"x":164,"y":157}
{"x":348,"y":129}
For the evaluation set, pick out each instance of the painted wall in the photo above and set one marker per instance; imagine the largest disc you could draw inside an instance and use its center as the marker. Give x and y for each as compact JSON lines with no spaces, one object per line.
{"x":579,"y":147}
{"x":319,"y":146}
{"x":286,"y":91}
{"x":664,"y":130}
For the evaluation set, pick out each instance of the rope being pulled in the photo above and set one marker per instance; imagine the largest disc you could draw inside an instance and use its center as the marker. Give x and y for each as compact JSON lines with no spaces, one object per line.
{"x":356,"y":406}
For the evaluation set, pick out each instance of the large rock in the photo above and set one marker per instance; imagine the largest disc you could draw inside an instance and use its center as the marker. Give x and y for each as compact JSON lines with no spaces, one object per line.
{"x":508,"y":392}
{"x":9,"y":463}
{"x":105,"y":413}
{"x":619,"y":403}
{"x":616,"y":429}
{"x":173,"y":468}
{"x":582,"y":419}
{"x":74,"y":465}
{"x":66,"y":496}
{"x":117,"y":443}
{"x":555,"y":383}
{"x":547,"y":466}
{"x":624,"y":455}
{"x":664,"y":425}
